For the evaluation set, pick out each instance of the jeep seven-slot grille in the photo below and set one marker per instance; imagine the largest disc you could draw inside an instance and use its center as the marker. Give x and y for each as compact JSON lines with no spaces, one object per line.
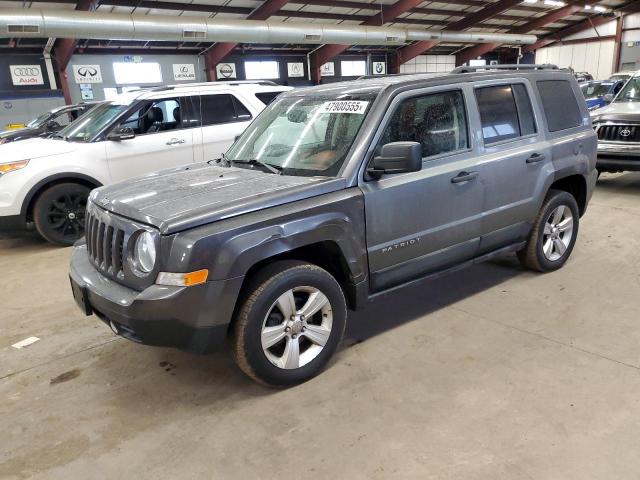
{"x":619,"y":133}
{"x":105,"y":245}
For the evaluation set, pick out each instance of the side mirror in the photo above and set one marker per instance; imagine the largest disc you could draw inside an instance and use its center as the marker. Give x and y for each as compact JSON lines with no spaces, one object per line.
{"x":119,"y":134}
{"x":608,"y":97}
{"x":396,"y":157}
{"x":52,"y":126}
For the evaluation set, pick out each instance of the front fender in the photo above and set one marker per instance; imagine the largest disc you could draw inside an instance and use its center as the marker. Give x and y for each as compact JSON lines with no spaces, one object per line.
{"x":229,"y":248}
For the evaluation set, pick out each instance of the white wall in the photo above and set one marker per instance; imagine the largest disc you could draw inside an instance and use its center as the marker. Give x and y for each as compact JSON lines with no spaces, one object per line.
{"x":593,"y":57}
{"x":429,"y":64}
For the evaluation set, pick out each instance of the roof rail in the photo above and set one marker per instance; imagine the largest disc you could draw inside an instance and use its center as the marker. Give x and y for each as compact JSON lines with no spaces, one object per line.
{"x":522,"y":66}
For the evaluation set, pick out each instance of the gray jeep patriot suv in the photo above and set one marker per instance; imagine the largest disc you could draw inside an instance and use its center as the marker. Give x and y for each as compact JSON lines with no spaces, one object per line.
{"x":334,"y":195}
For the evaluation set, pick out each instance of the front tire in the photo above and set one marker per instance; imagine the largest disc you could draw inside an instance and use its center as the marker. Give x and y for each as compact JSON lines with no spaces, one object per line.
{"x":59,"y":213}
{"x":290,"y":323}
{"x":554,"y":233}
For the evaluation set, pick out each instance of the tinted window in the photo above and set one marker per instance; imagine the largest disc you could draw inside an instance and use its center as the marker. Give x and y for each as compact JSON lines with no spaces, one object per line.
{"x":216,"y":109}
{"x":154,"y":116}
{"x":241,"y":111}
{"x":560,"y":105}
{"x":525,"y":112}
{"x":437,"y":121}
{"x":498,"y":113}
{"x":267,"y":97}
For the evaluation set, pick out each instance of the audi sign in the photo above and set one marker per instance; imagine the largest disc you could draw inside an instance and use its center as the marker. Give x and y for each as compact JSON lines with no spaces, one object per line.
{"x":26,"y":75}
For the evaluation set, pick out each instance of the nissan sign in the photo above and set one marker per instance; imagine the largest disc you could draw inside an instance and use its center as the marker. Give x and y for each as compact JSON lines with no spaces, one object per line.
{"x":226,"y":71}
{"x":87,"y":74}
{"x":26,"y":75}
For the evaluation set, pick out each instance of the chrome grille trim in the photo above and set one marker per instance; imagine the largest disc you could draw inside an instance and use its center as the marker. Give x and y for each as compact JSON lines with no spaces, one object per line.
{"x":105,"y":243}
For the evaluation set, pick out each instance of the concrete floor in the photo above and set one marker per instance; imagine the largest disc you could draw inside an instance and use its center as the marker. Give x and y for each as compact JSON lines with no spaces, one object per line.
{"x":490,"y":373}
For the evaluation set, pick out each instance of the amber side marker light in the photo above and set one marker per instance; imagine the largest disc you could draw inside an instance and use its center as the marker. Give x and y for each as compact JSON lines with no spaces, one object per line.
{"x":10,"y":167}
{"x":183,"y":279}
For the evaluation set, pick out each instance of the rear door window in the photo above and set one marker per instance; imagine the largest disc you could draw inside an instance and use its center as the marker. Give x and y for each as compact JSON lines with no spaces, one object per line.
{"x":559,"y":104}
{"x":222,"y":108}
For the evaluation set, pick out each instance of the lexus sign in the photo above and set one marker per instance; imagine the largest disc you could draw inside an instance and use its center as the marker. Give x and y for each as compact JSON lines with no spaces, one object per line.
{"x":87,"y":74}
{"x":26,"y":75}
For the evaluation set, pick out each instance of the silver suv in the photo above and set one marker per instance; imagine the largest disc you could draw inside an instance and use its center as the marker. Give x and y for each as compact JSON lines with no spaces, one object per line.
{"x":618,"y":129}
{"x":333,"y":196}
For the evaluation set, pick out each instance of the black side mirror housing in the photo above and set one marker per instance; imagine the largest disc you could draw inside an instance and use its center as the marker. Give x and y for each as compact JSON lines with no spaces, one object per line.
{"x":120,"y":134}
{"x":52,"y":126}
{"x":396,"y":157}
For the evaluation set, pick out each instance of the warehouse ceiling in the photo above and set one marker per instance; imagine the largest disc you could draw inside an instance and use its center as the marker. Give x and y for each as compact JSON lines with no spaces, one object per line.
{"x":512,"y":17}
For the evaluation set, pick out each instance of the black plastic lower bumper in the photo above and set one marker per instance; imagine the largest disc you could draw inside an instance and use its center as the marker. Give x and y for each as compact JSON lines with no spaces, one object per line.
{"x":12,"y":223}
{"x":194,"y":319}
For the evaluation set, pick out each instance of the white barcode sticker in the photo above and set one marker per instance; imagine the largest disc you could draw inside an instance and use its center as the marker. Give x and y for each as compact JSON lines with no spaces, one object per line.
{"x":347,"y":106}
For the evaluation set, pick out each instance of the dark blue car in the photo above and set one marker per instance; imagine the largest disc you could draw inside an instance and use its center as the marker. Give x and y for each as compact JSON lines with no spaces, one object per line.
{"x":594,"y":92}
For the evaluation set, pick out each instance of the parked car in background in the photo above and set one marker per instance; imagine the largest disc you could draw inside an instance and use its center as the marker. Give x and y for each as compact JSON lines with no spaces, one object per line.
{"x":583,"y":76}
{"x":626,"y":75}
{"x":618,"y":128}
{"x":46,"y":181}
{"x":386,"y":182}
{"x":599,"y":93}
{"x":47,"y":123}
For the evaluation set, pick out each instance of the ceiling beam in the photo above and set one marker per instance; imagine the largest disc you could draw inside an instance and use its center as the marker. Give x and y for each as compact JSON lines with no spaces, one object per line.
{"x":220,"y":50}
{"x":535,"y":24}
{"x":65,"y":47}
{"x":405,"y":54}
{"x":592,"y":22}
{"x":387,"y":15}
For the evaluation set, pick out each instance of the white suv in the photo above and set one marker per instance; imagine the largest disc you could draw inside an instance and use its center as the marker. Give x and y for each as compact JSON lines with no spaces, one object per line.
{"x":47,"y":180}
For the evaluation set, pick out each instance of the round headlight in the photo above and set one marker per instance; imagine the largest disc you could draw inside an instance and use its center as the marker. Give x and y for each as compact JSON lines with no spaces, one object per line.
{"x":145,"y":252}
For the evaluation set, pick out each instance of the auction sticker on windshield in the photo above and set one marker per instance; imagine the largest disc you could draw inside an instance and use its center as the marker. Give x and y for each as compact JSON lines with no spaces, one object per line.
{"x":353,"y":106}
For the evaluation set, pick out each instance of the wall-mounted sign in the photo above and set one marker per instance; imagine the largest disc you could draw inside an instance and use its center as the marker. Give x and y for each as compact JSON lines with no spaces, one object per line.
{"x":26,"y":75}
{"x":183,"y":72}
{"x":132,"y":58}
{"x":295,"y":69}
{"x":87,"y":74}
{"x":327,"y":70}
{"x":379,"y":68}
{"x":225,"y":71}
{"x":86,"y":91}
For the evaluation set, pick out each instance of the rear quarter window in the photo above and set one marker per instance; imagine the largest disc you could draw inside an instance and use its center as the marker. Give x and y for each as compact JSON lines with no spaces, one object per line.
{"x":267,"y":97}
{"x":559,"y":104}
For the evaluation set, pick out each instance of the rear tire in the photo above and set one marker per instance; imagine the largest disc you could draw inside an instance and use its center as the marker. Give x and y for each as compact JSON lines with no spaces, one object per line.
{"x":59,"y":213}
{"x":290,"y":323}
{"x":554,"y":233}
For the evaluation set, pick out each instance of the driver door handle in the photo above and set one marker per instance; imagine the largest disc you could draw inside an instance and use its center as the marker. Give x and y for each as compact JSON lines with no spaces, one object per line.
{"x":175,"y":141}
{"x":464,"y":177}
{"x":535,"y":158}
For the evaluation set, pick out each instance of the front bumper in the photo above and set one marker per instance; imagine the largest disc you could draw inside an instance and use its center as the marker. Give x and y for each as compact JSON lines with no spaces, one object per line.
{"x":12,"y":223}
{"x":618,"y":156}
{"x":194,"y":319}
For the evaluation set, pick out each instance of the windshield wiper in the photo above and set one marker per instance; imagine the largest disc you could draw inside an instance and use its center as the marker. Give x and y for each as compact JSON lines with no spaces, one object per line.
{"x":275,"y":169}
{"x":58,"y":135}
{"x":223,"y":159}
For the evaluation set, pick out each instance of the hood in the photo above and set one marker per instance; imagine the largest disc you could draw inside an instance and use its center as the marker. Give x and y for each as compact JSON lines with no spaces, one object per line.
{"x":186,"y":197}
{"x":624,"y":111}
{"x":20,"y":133}
{"x":34,"y":148}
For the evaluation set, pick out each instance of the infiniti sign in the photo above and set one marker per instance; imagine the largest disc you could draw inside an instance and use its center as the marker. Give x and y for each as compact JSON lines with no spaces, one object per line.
{"x":87,"y":74}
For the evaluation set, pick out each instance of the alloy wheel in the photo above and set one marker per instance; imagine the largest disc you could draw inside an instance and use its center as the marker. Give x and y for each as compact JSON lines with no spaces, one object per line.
{"x":297,"y":327}
{"x":66,"y":215}
{"x":558,"y":232}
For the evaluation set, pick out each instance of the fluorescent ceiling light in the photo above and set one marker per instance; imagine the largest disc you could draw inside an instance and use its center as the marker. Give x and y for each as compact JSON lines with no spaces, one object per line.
{"x":530,"y":1}
{"x":554,"y":3}
{"x":599,"y":8}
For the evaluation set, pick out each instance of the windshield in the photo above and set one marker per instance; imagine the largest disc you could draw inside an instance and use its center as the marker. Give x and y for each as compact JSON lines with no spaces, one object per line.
{"x":619,"y":76}
{"x":39,"y":121}
{"x":595,"y":89}
{"x":304,"y":136}
{"x":86,"y":126}
{"x":630,"y":92}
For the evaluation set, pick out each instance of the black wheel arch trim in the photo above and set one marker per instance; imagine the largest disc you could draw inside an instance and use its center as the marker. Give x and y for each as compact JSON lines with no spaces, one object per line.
{"x":57,"y":178}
